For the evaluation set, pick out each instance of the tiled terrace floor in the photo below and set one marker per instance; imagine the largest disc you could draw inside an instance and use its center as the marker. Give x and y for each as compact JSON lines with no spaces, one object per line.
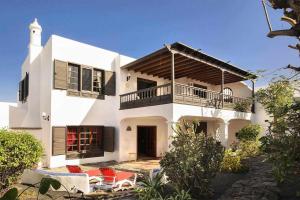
{"x":139,"y":166}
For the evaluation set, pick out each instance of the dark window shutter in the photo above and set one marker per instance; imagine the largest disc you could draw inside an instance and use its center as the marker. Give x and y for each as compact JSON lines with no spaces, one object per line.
{"x":58,"y":141}
{"x":110,"y":83}
{"x":109,"y":139}
{"x":20,"y":91}
{"x":60,"y":75}
{"x":26,"y":86}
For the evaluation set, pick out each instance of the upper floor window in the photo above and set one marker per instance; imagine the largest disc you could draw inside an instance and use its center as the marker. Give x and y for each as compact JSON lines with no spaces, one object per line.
{"x":98,"y":79}
{"x":228,"y":94}
{"x":24,"y":88}
{"x":86,"y":79}
{"x":73,"y":76}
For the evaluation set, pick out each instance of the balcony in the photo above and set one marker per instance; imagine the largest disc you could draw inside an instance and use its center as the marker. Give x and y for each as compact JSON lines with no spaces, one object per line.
{"x":183,"y":94}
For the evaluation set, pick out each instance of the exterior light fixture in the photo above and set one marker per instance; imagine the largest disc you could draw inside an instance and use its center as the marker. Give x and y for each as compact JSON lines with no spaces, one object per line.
{"x":128,"y":128}
{"x":45,"y":116}
{"x":128,"y":77}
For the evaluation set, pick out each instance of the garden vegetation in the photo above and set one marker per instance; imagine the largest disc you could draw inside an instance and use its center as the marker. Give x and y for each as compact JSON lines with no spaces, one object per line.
{"x":18,"y":151}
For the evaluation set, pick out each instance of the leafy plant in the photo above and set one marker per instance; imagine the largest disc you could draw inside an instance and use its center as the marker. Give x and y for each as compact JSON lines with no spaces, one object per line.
{"x":180,"y":195}
{"x":232,"y":162}
{"x":242,"y":106}
{"x":276,"y":98}
{"x":151,"y":188}
{"x":18,"y":151}
{"x":249,"y":132}
{"x":249,"y":148}
{"x":194,"y":159}
{"x":282,"y":141}
{"x":43,"y":186}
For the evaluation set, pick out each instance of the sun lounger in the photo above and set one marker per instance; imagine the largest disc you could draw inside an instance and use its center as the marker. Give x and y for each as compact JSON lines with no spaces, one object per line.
{"x":118,"y":180}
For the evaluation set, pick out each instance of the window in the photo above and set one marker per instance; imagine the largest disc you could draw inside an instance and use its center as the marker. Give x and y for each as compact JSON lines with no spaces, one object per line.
{"x":86,"y":79}
{"x":228,"y":95}
{"x":73,"y":77}
{"x":98,"y":81}
{"x":84,"y":140}
{"x":24,"y":88}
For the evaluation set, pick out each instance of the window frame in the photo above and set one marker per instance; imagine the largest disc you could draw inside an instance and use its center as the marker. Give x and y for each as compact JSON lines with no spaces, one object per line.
{"x":228,"y":98}
{"x":86,"y":93}
{"x":82,"y":148}
{"x":79,"y":79}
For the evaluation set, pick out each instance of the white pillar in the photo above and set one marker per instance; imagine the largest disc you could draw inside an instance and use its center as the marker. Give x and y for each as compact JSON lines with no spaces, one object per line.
{"x":222,"y":133}
{"x":170,"y":125}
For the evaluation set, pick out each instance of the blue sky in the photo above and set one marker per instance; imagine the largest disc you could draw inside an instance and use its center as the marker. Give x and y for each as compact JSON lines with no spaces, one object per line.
{"x":232,"y":30}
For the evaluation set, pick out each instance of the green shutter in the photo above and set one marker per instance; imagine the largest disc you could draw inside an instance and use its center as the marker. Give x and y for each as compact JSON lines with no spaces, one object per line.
{"x":60,"y":75}
{"x":58,"y":141}
{"x":110,"y":83}
{"x":109,"y":139}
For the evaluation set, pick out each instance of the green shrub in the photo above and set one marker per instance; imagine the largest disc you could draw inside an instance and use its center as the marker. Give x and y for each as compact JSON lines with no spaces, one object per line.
{"x":249,"y":132}
{"x":151,"y":188}
{"x":193,"y":161}
{"x":242,"y":106}
{"x":180,"y":195}
{"x":232,"y":162}
{"x":18,"y":151}
{"x":249,"y":149}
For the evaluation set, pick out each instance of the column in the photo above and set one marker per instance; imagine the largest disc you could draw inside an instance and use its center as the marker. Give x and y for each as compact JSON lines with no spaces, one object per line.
{"x":222,"y":87}
{"x":253,"y":96}
{"x":170,"y":125}
{"x":173,"y":75}
{"x":222,"y":133}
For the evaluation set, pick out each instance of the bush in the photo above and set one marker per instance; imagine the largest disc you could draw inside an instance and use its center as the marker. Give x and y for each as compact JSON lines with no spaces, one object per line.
{"x":232,"y":162}
{"x":155,"y":189}
{"x":249,"y":148}
{"x":249,"y":132}
{"x":192,"y":162}
{"x":242,"y":106}
{"x":18,"y":151}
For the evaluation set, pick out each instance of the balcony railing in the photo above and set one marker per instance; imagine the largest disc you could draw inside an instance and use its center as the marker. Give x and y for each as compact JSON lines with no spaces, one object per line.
{"x":184,"y":94}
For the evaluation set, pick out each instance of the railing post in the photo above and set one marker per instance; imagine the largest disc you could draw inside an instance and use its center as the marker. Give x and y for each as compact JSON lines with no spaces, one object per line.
{"x":173,"y":76}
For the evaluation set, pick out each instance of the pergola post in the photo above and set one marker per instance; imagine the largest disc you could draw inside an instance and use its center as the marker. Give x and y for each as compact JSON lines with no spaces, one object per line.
{"x":222,"y":87}
{"x":173,"y":75}
{"x":253,"y":96}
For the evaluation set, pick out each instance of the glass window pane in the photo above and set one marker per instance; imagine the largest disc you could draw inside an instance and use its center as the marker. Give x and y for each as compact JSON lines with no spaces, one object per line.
{"x":97,"y":81}
{"x":87,"y":79}
{"x":73,"y":77}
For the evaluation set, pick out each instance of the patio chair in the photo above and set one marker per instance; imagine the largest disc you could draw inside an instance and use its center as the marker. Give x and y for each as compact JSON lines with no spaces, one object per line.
{"x":94,"y":174}
{"x":119,"y":179}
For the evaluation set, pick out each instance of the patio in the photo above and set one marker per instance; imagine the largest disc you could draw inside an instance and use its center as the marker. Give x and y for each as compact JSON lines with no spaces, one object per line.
{"x":143,"y":166}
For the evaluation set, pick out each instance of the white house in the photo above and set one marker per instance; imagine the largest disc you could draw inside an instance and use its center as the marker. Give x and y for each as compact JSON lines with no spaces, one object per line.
{"x":88,"y":104}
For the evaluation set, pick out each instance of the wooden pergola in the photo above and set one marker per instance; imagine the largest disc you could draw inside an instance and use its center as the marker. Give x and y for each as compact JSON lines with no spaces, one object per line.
{"x":179,"y":60}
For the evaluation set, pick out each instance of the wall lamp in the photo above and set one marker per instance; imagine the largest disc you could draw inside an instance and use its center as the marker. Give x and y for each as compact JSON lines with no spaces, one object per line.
{"x":128,"y":77}
{"x":45,"y":116}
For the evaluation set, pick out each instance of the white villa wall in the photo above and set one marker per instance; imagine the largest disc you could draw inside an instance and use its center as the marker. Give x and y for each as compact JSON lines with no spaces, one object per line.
{"x":4,"y":113}
{"x":128,"y":139}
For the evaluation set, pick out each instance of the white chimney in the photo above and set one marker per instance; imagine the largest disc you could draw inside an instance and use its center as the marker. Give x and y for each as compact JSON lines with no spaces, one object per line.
{"x":35,"y":44}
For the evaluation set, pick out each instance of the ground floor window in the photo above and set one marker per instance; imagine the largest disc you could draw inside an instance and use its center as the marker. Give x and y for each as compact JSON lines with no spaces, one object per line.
{"x":84,"y":141}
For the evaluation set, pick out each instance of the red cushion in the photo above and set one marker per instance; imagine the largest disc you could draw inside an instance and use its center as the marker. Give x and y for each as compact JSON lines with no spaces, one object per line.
{"x":124,"y":175}
{"x":108,"y":174}
{"x":94,"y":172}
{"x":74,"y":169}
